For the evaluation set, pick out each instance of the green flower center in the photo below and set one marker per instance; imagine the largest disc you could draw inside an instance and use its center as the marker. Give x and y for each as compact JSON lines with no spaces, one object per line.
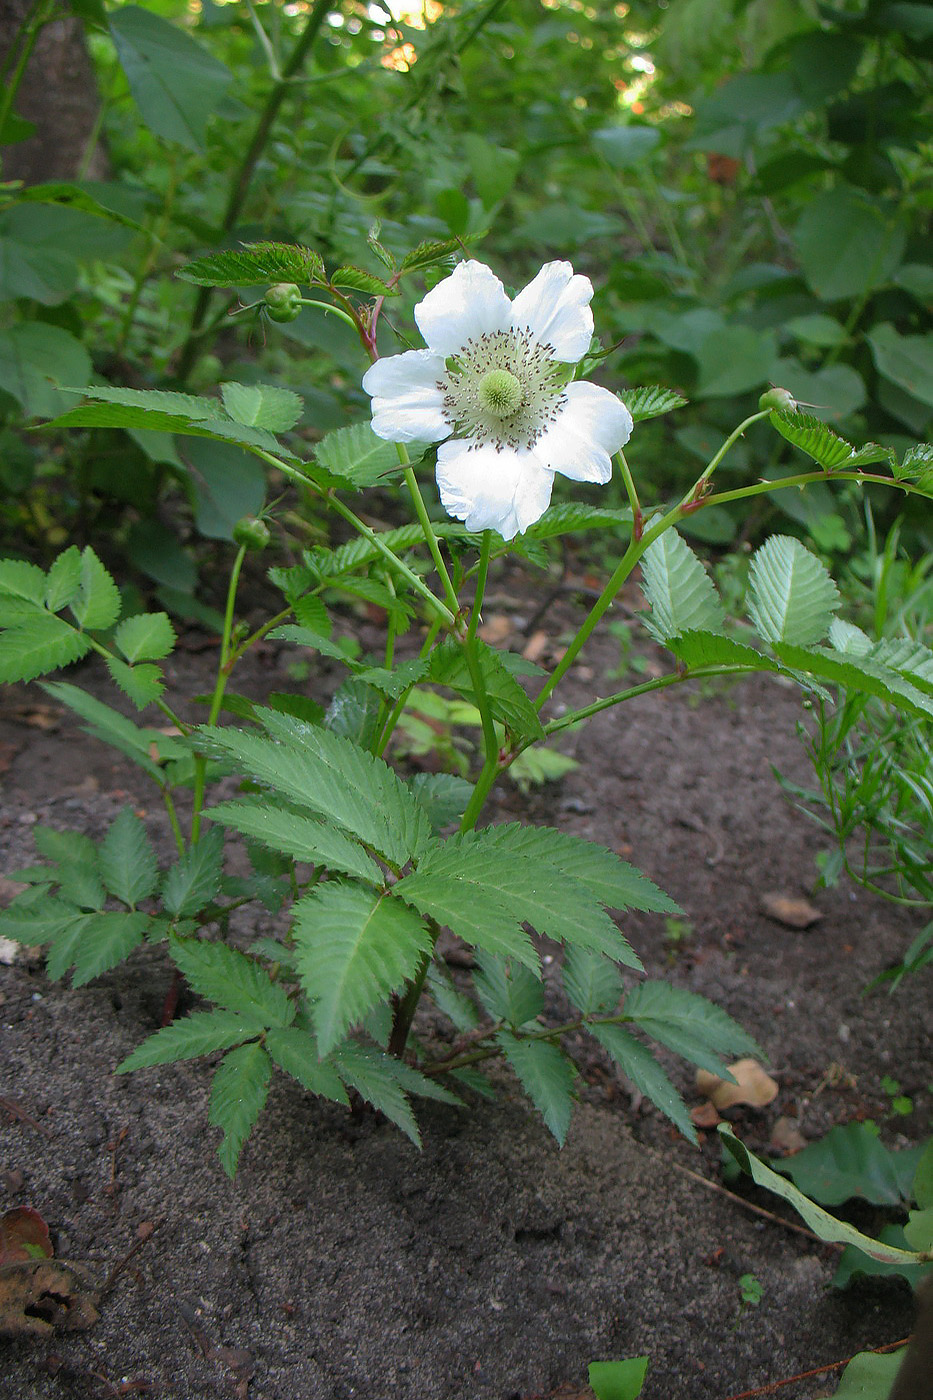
{"x":500,"y":393}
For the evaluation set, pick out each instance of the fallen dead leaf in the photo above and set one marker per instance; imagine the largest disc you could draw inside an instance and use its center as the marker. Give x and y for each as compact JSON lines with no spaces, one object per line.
{"x":24,"y":1235}
{"x":705,"y":1115}
{"x":786,"y":1137}
{"x":789,"y":910}
{"x":536,"y":646}
{"x":40,"y":1296}
{"x":753,"y":1086}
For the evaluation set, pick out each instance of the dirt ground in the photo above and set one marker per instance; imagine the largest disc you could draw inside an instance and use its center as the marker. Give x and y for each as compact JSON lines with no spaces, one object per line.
{"x":344,"y":1263}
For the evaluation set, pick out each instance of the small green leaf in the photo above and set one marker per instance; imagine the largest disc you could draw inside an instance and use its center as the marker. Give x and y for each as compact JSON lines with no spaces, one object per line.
{"x":355,"y":279}
{"x":791,"y":595}
{"x":650,"y":402}
{"x":39,"y":921}
{"x":232,"y":979}
{"x":255,"y":264}
{"x":262,"y":405}
{"x":45,"y":644}
{"x":618,"y":1380}
{"x":64,"y":580}
{"x":127,"y":861}
{"x":145,"y":637}
{"x":547,"y":1077}
{"x":356,"y":454}
{"x":201,"y":1033}
{"x":142,"y":684}
{"x":680,"y":591}
{"x":317,"y":843}
{"x":688,"y":1024}
{"x":97,"y":603}
{"x":591,"y":981}
{"x":238,"y":1093}
{"x":194,"y":880}
{"x":639,"y":1065}
{"x":508,"y":990}
{"x":19,"y":579}
{"x":430,"y":254}
{"x":295,"y":1051}
{"x":375,"y":1077}
{"x":106,"y":940}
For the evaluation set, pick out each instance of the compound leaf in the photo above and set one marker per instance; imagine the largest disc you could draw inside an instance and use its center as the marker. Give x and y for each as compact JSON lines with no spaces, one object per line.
{"x":688,"y":1024}
{"x":639,"y":1065}
{"x":233,"y":980}
{"x":194,"y":880}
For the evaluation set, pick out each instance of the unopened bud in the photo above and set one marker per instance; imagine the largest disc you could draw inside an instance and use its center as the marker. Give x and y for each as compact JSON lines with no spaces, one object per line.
{"x":777,"y":400}
{"x":283,"y":301}
{"x":251,"y":533}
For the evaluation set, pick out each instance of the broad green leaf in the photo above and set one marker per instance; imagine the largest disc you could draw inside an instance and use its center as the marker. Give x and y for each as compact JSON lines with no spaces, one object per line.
{"x":591,"y":981}
{"x":917,"y":467}
{"x":835,"y":391}
{"x":846,"y":244}
{"x":44,"y":644}
{"x":639,"y":1065}
{"x":356,"y":279}
{"x":143,"y":684}
{"x":608,"y":879}
{"x":354,"y":947}
{"x":65,"y":847}
{"x":853,"y":1262}
{"x":858,"y":673}
{"x":573,"y":517}
{"x":234,"y":980}
{"x":733,"y":359}
{"x":650,"y":402}
{"x":547,"y":1077}
{"x":80,"y":884}
{"x":826,"y":448}
{"x":145,"y":637}
{"x":870,"y":1374}
{"x":255,"y":264}
{"x":176,"y":83}
{"x":295,"y":1051}
{"x":200,"y":1033}
{"x":374,"y":1076}
{"x":115,"y":729}
{"x":64,"y":947}
{"x":127,"y":860}
{"x":907,"y":360}
{"x":107,"y":938}
{"x":791,"y":595}
{"x":508,"y":991}
{"x":507,"y":701}
{"x":238,"y":1095}
{"x":688,"y":1024}
{"x":97,"y":603}
{"x":36,"y":361}
{"x":356,"y":454}
{"x":114,"y":415}
{"x":618,"y":1380}
{"x":918,"y":1232}
{"x":68,"y":196}
{"x":39,"y":921}
{"x":627,"y":144}
{"x":262,"y":405}
{"x":846,"y":637}
{"x":851,"y":1161}
{"x":228,"y":482}
{"x":315,"y":842}
{"x":681,"y":593}
{"x":64,"y":579}
{"x":332,"y":777}
{"x":194,"y":880}
{"x":827,"y":1226}
{"x":701,"y":650}
{"x":196,"y":407}
{"x":444,"y":796}
{"x":472,"y":910}
{"x":19,"y":579}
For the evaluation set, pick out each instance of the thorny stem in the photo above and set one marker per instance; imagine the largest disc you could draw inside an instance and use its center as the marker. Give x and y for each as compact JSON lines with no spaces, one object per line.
{"x":224,"y":667}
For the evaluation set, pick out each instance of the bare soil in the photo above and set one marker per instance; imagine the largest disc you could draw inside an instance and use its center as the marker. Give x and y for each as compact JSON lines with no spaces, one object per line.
{"x":343,"y":1262}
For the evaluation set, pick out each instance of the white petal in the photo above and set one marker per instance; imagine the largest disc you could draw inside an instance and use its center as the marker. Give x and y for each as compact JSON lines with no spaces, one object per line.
{"x":407,"y":404}
{"x":555,"y":306}
{"x":591,"y":426}
{"x":469,"y":303}
{"x":504,"y":490}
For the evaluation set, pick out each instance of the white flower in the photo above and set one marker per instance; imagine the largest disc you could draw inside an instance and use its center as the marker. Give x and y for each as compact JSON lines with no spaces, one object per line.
{"x":494,"y":388}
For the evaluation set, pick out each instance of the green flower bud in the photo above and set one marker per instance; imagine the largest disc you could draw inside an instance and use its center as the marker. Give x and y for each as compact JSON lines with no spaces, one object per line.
{"x":251,"y":533}
{"x":283,"y":301}
{"x":778,"y":400}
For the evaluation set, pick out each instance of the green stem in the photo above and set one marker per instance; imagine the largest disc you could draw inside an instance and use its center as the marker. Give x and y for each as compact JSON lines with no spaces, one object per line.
{"x":661,"y":683}
{"x":427,"y":528}
{"x":481,"y":575}
{"x":240,"y":186}
{"x":334,"y":311}
{"x":223,"y":675}
{"x":696,"y":492}
{"x":30,"y":31}
{"x":402,"y":701}
{"x":629,"y":480}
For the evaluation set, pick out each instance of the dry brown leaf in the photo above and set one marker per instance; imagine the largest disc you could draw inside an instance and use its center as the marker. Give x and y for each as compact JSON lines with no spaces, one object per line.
{"x":789,"y":910}
{"x":536,"y":646}
{"x":40,"y":1296}
{"x":786,"y":1137}
{"x":705,"y":1115}
{"x":753,"y":1086}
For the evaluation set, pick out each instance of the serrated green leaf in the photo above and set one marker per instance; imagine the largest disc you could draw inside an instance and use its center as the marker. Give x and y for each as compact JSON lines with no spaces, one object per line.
{"x":547,"y":1077}
{"x":846,"y":637}
{"x":295,"y":1051}
{"x":106,"y":940}
{"x":473,"y":911}
{"x":127,"y":860}
{"x":357,"y":455}
{"x":315,"y":641}
{"x":414,"y":1082}
{"x":910,"y":659}
{"x":827,"y":1226}
{"x":115,"y":415}
{"x":194,"y":880}
{"x":233,"y":980}
{"x":688,"y":1024}
{"x":650,"y":402}
{"x":430,"y":253}
{"x":298,"y":836}
{"x":262,"y":405}
{"x":507,"y":701}
{"x":699,"y":650}
{"x":142,"y":684}
{"x":254,"y":264}
{"x":374,"y":1076}
{"x":238,"y":1094}
{"x":115,"y":729}
{"x":64,"y":947}
{"x":45,"y":644}
{"x":591,"y":981}
{"x":443,"y":796}
{"x":573,"y":518}
{"x":827,"y":448}
{"x":639,"y":1065}
{"x":38,"y":921}
{"x":64,"y":579}
{"x":680,"y":591}
{"x":65,"y":847}
{"x":508,"y":990}
{"x":20,"y":579}
{"x":332,"y":777}
{"x":353,"y":948}
{"x":917,"y":466}
{"x":448,"y":998}
{"x":80,"y":884}
{"x":791,"y":595}
{"x":200,"y":1033}
{"x":356,"y":279}
{"x":145,"y":637}
{"x":858,"y":673}
{"x":194,"y":406}
{"x":97,"y":603}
